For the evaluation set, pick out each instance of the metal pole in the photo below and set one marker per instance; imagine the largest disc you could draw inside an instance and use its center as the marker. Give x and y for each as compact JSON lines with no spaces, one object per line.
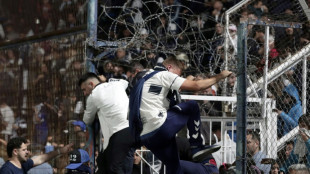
{"x":266,"y":51}
{"x":92,"y":14}
{"x":241,"y":99}
{"x":91,"y":43}
{"x":304,"y":85}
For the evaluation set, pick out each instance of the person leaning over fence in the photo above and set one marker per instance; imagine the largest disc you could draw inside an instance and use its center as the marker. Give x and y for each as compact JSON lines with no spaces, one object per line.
{"x":19,"y":163}
{"x":155,"y":125}
{"x":110,"y":102}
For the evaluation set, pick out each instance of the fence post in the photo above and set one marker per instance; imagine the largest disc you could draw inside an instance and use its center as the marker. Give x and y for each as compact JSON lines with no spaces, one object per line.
{"x":241,"y":98}
{"x":304,"y":84}
{"x":91,"y":44}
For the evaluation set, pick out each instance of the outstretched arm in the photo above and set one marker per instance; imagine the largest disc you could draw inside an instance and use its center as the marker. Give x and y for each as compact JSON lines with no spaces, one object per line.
{"x":191,"y":85}
{"x":37,"y":160}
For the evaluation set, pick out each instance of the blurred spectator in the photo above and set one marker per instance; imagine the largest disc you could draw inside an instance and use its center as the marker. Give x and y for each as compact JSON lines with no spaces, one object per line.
{"x":79,"y":136}
{"x":290,"y":115}
{"x":138,"y":164}
{"x":258,"y":8}
{"x":79,"y":162}
{"x":302,"y":147}
{"x":10,"y":33}
{"x":275,"y":169}
{"x":291,"y":37}
{"x":121,"y":55}
{"x":71,"y":20}
{"x":40,"y":124}
{"x":298,"y":168}
{"x":34,"y":151}
{"x":20,"y":126}
{"x":290,"y":157}
{"x":7,"y":120}
{"x":228,"y":146}
{"x":108,"y":69}
{"x":253,"y":149}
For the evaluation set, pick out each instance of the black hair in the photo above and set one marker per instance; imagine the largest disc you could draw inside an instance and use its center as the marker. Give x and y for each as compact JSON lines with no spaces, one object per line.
{"x":15,"y":143}
{"x":304,"y":119}
{"x":289,"y":142}
{"x":86,"y":76}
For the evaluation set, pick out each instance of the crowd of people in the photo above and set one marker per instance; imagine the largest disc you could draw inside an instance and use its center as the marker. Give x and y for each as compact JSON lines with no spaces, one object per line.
{"x":48,"y":72}
{"x":24,"y":19}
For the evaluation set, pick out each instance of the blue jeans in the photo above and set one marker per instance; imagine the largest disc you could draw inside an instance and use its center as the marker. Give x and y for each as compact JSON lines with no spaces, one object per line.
{"x":163,"y":144}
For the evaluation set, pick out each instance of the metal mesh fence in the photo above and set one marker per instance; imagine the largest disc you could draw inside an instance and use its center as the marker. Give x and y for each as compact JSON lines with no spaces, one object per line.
{"x":138,"y":34}
{"x":206,"y":34}
{"x":279,"y":72}
{"x":39,"y":95}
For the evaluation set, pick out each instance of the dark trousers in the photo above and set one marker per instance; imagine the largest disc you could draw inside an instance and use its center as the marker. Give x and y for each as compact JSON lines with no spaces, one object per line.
{"x":118,"y":156}
{"x":162,"y":142}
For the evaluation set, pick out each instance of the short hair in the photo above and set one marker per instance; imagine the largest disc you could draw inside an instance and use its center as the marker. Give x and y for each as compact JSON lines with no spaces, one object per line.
{"x":14,"y":143}
{"x":86,"y":76}
{"x":304,"y":119}
{"x":255,"y":135}
{"x":289,"y":142}
{"x":174,"y":61}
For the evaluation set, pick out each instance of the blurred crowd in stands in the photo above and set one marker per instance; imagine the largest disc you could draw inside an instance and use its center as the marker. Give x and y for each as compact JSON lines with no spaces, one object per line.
{"x":19,"y":19}
{"x":40,"y":98}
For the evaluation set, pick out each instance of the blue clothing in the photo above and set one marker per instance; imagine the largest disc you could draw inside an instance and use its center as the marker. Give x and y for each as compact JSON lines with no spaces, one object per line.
{"x":9,"y":168}
{"x":1,"y":162}
{"x":292,"y":91}
{"x":291,"y":118}
{"x":292,"y":159}
{"x":258,"y":158}
{"x":45,"y":168}
{"x":162,"y":141}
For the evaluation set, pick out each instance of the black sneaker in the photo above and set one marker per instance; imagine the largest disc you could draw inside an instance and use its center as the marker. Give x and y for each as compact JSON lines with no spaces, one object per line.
{"x":201,"y":153}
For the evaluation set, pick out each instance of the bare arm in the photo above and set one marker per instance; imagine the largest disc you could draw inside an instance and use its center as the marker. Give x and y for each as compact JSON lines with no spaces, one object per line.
{"x":48,"y":156}
{"x":190,"y":85}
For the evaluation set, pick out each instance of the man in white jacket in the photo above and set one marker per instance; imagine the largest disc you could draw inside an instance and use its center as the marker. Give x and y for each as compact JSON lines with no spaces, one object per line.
{"x":110,"y":102}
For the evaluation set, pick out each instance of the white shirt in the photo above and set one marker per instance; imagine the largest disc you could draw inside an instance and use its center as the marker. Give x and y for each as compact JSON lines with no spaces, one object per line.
{"x":7,"y":116}
{"x":227,"y":153}
{"x":111,"y":103}
{"x":154,"y":104}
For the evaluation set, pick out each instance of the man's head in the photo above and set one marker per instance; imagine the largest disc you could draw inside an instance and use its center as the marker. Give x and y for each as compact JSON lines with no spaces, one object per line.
{"x":253,"y":142}
{"x":304,"y":121}
{"x":88,"y":82}
{"x":17,"y":148}
{"x":289,"y":148}
{"x":79,"y":126}
{"x":298,"y":169}
{"x":79,"y":161}
{"x":174,"y":65}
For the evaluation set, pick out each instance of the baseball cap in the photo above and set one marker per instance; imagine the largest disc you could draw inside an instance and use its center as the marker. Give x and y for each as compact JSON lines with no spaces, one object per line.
{"x":81,"y":124}
{"x":77,"y":158}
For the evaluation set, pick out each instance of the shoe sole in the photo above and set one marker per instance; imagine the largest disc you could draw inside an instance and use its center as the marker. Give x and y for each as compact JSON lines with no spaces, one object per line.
{"x":201,"y":155}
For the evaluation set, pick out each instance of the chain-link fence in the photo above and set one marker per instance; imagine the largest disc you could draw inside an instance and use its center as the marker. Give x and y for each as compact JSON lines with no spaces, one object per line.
{"x":136,"y":35}
{"x":205,"y":34}
{"x":39,"y":93}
